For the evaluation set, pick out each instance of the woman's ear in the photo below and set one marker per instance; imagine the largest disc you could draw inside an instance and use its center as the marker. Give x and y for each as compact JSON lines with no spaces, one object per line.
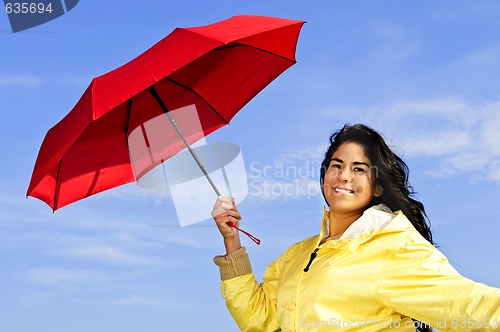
{"x":378,"y":190}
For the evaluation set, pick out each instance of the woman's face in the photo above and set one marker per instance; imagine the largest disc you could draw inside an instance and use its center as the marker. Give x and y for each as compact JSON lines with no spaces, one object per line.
{"x":349,"y":183}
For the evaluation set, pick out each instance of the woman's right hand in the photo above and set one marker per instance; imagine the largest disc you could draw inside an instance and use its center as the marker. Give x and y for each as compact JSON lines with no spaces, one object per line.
{"x":225,"y":211}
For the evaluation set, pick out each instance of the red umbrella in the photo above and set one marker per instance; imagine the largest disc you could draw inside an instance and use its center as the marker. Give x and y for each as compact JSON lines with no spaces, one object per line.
{"x":218,"y":68}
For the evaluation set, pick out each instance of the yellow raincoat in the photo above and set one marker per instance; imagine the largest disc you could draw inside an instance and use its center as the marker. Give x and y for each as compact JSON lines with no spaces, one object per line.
{"x":376,"y":277}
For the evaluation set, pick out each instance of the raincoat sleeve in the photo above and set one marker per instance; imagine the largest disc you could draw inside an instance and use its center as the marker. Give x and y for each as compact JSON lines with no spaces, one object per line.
{"x":252,"y":305}
{"x":417,"y":281}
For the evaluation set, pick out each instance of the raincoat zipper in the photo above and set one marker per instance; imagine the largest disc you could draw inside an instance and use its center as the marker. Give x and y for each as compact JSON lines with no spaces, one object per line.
{"x":313,"y":256}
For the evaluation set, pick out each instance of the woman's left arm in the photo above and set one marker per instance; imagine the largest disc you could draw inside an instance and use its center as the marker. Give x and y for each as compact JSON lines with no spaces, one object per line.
{"x":416,"y":280}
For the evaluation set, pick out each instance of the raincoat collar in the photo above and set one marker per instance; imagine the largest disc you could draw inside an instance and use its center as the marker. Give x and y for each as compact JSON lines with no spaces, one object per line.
{"x":375,"y":218}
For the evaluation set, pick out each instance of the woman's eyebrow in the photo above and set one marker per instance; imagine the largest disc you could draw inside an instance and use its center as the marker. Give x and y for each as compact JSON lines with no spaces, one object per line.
{"x":355,"y":163}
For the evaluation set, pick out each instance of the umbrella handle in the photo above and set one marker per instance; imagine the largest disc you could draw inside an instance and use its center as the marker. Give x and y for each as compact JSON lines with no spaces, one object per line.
{"x":253,"y":238}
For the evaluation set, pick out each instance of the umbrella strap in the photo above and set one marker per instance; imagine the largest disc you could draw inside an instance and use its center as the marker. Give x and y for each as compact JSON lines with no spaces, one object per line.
{"x":253,"y":238}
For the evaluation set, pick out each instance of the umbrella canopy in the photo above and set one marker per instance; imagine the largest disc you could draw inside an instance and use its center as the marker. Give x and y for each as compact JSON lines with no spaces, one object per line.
{"x":218,"y":68}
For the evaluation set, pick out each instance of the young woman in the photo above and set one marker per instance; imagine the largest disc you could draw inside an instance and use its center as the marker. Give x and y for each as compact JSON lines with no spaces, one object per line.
{"x":371,"y":268}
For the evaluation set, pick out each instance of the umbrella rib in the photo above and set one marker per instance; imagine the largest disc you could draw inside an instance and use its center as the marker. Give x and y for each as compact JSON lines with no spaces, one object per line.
{"x":201,"y":97}
{"x":256,"y":48}
{"x":93,"y":184}
{"x":56,"y":191}
{"x":127,"y":121}
{"x":215,"y":50}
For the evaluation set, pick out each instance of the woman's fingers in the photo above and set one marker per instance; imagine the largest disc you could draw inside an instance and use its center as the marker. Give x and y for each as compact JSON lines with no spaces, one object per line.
{"x":223,"y":199}
{"x":225,"y":211}
{"x":222,"y":205}
{"x":227,"y":216}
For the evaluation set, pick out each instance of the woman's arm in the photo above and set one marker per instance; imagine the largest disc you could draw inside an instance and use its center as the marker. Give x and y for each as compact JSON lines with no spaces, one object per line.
{"x":417,"y":280}
{"x":252,"y":305}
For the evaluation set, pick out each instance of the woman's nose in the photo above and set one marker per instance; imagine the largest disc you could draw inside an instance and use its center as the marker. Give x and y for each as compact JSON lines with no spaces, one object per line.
{"x":345,"y":174}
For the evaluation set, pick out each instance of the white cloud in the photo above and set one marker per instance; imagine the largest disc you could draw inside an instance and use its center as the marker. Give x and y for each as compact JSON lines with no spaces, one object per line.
{"x":58,"y":276}
{"x":142,"y":301}
{"x":30,"y":81}
{"x":461,"y":137}
{"x":135,"y":193}
{"x":435,"y":143}
{"x":107,"y":254}
{"x":493,"y":171}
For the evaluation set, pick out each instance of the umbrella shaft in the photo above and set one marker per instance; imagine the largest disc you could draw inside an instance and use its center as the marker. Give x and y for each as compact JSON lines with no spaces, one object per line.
{"x":190,"y":149}
{"x":155,"y":95}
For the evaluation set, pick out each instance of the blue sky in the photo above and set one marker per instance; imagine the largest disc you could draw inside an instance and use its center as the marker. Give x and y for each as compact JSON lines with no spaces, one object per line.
{"x":424,"y":73}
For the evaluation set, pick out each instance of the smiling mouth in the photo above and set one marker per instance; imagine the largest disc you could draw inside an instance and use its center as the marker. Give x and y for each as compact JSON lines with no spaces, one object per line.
{"x":345,"y":191}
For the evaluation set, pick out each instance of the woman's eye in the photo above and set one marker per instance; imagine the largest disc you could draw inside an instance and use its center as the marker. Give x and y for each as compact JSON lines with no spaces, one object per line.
{"x":335,"y":166}
{"x":359,"y":170}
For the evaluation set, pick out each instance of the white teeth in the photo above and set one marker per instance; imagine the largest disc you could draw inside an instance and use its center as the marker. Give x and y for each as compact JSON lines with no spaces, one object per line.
{"x":344,"y":191}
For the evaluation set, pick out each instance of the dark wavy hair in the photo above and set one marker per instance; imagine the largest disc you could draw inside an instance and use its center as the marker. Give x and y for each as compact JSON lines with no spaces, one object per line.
{"x":391,"y":174}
